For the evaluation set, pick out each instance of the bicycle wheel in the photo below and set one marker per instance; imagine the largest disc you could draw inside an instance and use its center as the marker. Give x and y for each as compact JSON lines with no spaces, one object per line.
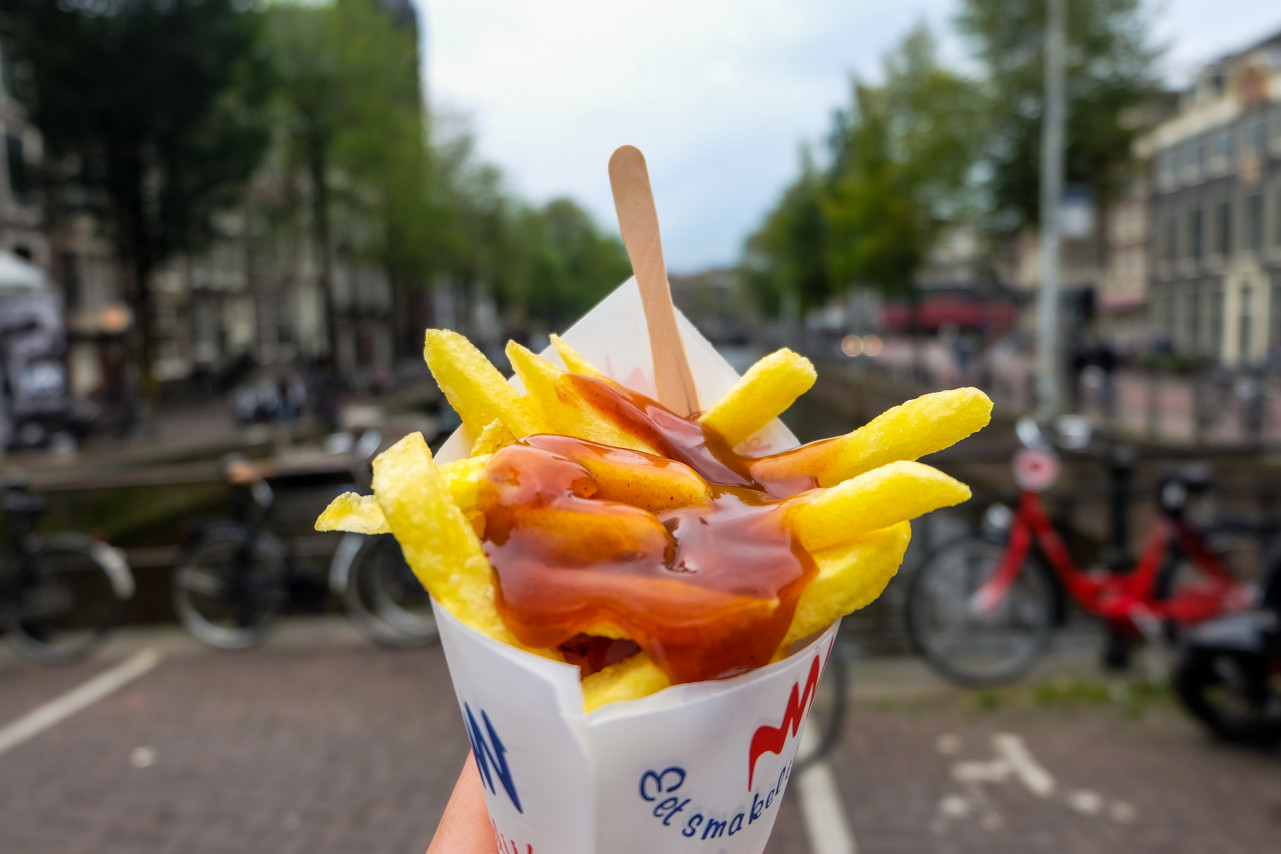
{"x":963,"y":644}
{"x":1235,"y":704}
{"x":230,"y":589}
{"x":384,"y":599}
{"x":66,"y":604}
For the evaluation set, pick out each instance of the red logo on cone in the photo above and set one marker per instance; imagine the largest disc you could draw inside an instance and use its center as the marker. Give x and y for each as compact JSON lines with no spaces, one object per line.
{"x":768,"y":739}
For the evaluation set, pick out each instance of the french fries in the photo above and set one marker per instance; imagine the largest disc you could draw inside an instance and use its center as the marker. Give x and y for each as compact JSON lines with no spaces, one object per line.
{"x":846,"y":501}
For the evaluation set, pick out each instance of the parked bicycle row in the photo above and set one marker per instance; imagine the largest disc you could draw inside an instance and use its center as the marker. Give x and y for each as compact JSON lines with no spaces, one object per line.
{"x":61,"y":595}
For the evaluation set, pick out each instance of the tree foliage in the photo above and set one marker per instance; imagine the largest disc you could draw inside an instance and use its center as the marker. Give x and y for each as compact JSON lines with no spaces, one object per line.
{"x":543,"y":265}
{"x":928,"y":146}
{"x":901,"y":156}
{"x":151,"y":112}
{"x":348,"y":100}
{"x":159,"y":111}
{"x":1110,"y":74}
{"x":786,"y":259}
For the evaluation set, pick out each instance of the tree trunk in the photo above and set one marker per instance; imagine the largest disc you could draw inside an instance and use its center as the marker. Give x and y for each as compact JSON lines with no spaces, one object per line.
{"x":317,"y":168}
{"x":134,"y":242}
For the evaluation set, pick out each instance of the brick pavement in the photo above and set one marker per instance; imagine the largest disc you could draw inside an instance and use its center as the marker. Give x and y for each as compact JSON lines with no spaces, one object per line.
{"x":321,"y":743}
{"x":930,"y":777}
{"x":280,"y":750}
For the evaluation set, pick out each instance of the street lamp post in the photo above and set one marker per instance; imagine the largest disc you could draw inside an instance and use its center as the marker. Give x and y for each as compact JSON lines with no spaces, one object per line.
{"x":1049,"y":394}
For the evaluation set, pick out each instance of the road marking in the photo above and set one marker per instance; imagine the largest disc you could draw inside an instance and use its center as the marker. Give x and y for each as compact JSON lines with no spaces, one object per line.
{"x":826,"y":825}
{"x":1026,"y":768}
{"x":77,"y":699}
{"x":1014,"y":762}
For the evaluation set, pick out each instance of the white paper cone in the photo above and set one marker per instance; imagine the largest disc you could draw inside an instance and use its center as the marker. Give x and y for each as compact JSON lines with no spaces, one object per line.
{"x":697,"y":767}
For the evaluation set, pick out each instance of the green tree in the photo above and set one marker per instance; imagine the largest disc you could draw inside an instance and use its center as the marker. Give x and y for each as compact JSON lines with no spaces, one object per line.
{"x":1110,"y":75}
{"x":902,"y":158}
{"x":151,"y":111}
{"x":543,"y":266}
{"x":785,"y":261}
{"x":903,"y":154}
{"x":348,"y":99}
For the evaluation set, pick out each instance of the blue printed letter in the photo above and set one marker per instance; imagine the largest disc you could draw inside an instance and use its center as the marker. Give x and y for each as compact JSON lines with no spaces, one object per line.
{"x":486,"y":754}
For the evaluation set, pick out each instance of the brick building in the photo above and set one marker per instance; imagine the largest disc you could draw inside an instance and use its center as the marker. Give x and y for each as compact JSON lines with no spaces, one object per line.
{"x":1215,"y":212}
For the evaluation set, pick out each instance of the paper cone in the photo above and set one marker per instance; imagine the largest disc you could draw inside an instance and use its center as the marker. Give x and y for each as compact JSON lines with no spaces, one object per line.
{"x":697,"y":767}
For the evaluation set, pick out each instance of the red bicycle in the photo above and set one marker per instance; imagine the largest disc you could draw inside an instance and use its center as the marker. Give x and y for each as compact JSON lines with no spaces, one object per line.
{"x":982,"y":607}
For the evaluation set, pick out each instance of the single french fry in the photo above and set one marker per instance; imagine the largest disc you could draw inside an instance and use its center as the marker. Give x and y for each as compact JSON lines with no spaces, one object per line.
{"x":849,"y":577}
{"x":439,"y":545}
{"x":642,"y":480}
{"x":357,"y":514}
{"x":762,"y":394}
{"x":493,"y":437}
{"x":473,"y":386}
{"x":893,"y":493}
{"x":629,"y":679}
{"x":908,"y":431}
{"x":462,"y":479}
{"x":559,"y":409}
{"x":573,"y":361}
{"x":362,"y":514}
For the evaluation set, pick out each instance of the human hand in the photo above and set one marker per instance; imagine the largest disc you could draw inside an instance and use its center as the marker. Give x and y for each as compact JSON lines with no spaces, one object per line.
{"x":465,"y":827}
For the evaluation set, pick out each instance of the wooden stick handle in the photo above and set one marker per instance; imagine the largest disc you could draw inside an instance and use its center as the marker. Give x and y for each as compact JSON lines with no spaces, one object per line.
{"x":638,"y":221}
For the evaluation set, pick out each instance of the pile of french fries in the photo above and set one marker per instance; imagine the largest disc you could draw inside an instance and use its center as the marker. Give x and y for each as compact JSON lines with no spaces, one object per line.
{"x":854,"y":524}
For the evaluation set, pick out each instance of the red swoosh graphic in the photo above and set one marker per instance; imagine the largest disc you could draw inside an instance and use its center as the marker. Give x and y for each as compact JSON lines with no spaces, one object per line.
{"x":768,"y":739}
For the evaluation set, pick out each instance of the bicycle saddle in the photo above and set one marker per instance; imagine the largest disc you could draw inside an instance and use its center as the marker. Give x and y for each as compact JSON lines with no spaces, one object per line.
{"x":20,"y":502}
{"x":1194,"y":477}
{"x":1174,"y":485}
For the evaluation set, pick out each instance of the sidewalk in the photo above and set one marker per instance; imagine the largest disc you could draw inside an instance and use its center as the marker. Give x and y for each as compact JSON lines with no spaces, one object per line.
{"x":321,"y":743}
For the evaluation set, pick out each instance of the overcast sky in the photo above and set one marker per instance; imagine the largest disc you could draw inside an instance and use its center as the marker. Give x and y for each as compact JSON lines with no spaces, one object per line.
{"x":718,"y":94}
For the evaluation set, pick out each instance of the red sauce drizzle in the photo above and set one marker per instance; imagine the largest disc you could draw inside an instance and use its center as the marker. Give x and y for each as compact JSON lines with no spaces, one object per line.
{"x":707,"y":591}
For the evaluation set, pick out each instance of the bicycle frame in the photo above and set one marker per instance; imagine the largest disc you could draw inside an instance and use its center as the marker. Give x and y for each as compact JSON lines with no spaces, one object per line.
{"x":1124,"y":599}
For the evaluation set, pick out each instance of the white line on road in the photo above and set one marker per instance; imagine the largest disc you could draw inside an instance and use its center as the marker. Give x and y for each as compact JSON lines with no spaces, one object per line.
{"x":77,"y":699}
{"x":826,"y":824}
{"x":1033,"y":774}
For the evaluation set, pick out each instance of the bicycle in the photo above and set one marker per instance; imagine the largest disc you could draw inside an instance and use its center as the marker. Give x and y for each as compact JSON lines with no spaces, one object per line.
{"x":981,"y":608}
{"x":236,"y":579}
{"x":60,"y":596}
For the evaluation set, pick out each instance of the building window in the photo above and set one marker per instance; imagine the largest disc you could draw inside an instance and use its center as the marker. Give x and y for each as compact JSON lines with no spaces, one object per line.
{"x":1276,"y":215}
{"x":1247,"y":297}
{"x":1214,"y":338}
{"x":16,"y":165}
{"x":1254,"y":223}
{"x":1194,"y":317}
{"x":1165,"y":168}
{"x":1171,"y":237}
{"x":71,"y":280}
{"x":1275,"y":312}
{"x":1224,"y":247}
{"x":1256,"y":129}
{"x":1225,"y":147}
{"x":1196,"y":245}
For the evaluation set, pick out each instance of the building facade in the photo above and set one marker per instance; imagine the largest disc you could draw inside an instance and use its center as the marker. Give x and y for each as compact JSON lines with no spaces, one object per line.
{"x":255,"y":293}
{"x":21,"y":217}
{"x":1215,"y":212}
